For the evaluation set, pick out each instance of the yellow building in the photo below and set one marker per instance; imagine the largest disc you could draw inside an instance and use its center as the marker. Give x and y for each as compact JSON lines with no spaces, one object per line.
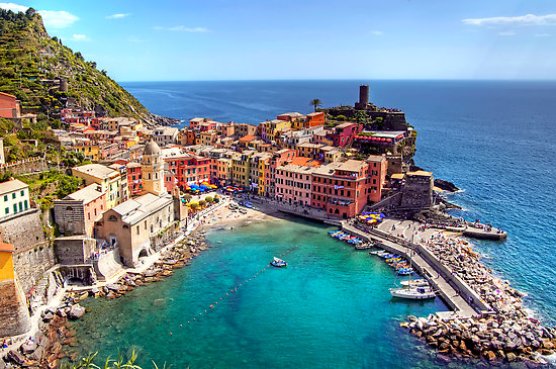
{"x":109,"y":180}
{"x":264,"y":168}
{"x":91,"y":152}
{"x":6,"y":262}
{"x":241,"y":169}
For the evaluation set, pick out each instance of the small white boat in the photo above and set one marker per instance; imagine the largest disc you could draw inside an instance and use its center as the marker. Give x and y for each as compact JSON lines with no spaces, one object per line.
{"x":278,"y":263}
{"x":418,"y":293}
{"x":415,"y":283}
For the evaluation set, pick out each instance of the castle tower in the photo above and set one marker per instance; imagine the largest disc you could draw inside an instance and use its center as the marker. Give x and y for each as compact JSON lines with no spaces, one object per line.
{"x":152,"y":168}
{"x":363,"y":97}
{"x":14,"y":316}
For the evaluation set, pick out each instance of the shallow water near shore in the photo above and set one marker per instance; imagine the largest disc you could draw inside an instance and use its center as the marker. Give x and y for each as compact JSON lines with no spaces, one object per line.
{"x":330,"y":307}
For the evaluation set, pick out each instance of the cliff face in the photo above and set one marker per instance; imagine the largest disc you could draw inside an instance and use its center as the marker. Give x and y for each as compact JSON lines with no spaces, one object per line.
{"x":44,"y":74}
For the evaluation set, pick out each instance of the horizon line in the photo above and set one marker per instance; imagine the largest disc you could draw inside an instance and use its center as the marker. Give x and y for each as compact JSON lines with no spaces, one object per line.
{"x":348,"y":79}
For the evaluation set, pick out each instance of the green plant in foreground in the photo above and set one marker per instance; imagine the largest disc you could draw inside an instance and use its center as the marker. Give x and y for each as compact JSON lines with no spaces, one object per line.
{"x":88,"y":362}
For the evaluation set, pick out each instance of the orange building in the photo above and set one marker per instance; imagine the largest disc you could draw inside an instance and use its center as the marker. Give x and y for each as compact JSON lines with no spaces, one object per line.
{"x":315,"y":119}
{"x":6,"y":262}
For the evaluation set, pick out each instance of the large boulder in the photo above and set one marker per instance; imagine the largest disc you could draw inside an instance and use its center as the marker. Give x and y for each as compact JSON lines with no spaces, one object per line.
{"x":76,"y":312}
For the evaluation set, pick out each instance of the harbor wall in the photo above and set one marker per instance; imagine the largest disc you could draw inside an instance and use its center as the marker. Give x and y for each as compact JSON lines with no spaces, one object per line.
{"x":34,"y":254}
{"x":14,"y":316}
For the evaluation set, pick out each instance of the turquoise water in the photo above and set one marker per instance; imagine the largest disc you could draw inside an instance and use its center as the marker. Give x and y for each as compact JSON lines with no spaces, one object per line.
{"x":330,"y":307}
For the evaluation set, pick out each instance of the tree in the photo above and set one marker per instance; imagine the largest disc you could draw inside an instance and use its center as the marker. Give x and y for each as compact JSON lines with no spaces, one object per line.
{"x":316,"y":103}
{"x":202,"y":203}
{"x":209,"y":199}
{"x":187,"y":197}
{"x":361,"y":117}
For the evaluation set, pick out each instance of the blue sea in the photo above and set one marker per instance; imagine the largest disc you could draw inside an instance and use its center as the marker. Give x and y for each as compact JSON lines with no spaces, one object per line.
{"x":496,"y":140}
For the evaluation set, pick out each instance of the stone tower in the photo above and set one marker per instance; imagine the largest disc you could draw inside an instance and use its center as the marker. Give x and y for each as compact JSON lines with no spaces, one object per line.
{"x":152,"y":168}
{"x":363,"y":97}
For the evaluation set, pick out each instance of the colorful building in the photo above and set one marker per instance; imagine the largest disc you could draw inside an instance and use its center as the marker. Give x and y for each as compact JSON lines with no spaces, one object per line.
{"x":9,"y":106}
{"x":109,"y":180}
{"x":6,"y":262}
{"x":293,"y":184}
{"x":77,"y":213}
{"x":341,"y":188}
{"x":14,"y":198}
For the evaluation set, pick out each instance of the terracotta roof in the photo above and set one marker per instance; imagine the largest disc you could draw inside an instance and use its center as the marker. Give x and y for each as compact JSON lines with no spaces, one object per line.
{"x":6,"y":247}
{"x":5,"y":94}
{"x":247,"y":138}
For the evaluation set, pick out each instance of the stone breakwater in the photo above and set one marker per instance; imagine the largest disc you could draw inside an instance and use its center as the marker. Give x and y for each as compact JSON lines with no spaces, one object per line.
{"x":504,"y":333}
{"x":55,"y":337}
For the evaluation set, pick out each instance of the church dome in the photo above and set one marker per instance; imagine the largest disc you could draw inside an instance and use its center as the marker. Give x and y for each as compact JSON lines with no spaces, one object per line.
{"x":151,"y":148}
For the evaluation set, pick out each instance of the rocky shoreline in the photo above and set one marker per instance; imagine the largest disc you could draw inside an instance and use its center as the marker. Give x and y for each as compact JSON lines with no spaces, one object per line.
{"x":505,"y":333}
{"x":55,"y":337}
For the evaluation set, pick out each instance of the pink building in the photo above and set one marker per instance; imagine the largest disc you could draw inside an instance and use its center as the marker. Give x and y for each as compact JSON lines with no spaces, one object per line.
{"x":293,"y":184}
{"x":343,"y":134}
{"x":279,"y":158}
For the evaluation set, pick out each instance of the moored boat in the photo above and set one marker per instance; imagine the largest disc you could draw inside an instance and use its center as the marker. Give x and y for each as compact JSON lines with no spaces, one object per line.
{"x":417,"y":293}
{"x":421,"y":282}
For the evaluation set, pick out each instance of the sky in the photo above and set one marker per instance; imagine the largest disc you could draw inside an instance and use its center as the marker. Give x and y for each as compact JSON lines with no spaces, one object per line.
{"x":171,"y":40}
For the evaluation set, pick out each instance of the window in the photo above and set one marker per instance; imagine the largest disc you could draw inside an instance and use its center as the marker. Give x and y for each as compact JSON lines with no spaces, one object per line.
{"x":5,"y":197}
{"x":13,"y":195}
{"x":15,"y":208}
{"x":22,"y":192}
{"x":137,"y":230}
{"x":7,"y":211}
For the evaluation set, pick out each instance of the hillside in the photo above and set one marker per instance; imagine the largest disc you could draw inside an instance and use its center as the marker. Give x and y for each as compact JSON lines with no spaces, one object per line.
{"x":45,"y":75}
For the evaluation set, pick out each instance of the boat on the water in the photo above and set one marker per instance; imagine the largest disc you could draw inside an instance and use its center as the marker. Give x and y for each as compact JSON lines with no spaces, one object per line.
{"x":421,"y":282}
{"x":417,"y":293}
{"x":406,"y":271}
{"x":278,"y":263}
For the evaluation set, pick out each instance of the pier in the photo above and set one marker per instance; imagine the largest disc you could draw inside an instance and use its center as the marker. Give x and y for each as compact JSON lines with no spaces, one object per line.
{"x":455,"y":292}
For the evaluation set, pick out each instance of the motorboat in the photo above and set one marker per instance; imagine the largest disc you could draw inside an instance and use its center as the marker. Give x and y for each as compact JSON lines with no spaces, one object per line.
{"x":421,"y":282}
{"x":278,"y":263}
{"x":406,"y":271}
{"x":417,"y":293}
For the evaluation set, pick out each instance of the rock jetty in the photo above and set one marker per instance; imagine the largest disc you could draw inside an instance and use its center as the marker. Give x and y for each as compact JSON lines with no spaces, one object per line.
{"x":505,"y":332}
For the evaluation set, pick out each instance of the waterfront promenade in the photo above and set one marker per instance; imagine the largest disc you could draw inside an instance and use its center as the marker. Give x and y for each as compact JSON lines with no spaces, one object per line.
{"x":457,"y":298}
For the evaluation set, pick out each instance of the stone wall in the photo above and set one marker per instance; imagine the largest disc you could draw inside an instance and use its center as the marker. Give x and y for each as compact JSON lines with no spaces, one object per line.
{"x":33,"y":252}
{"x":14,"y":316}
{"x":74,"y":250}
{"x":25,"y":166}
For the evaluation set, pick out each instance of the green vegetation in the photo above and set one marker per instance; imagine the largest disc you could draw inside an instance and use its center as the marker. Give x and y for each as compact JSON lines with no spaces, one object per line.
{"x":361,"y":117}
{"x":46,"y":187}
{"x":88,"y":362}
{"x":316,"y":103}
{"x":34,"y":67}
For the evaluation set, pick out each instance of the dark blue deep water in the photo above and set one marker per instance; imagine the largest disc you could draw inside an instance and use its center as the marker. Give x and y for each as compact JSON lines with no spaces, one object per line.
{"x":495,"y":140}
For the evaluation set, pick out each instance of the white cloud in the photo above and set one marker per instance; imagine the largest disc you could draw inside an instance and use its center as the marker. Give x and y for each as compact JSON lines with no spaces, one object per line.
{"x":13,"y":7}
{"x":506,"y":33}
{"x":182,"y":28}
{"x":80,"y":37}
{"x":118,"y":16}
{"x":51,"y":18}
{"x":377,"y":33}
{"x":521,"y":20}
{"x":58,"y":18}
